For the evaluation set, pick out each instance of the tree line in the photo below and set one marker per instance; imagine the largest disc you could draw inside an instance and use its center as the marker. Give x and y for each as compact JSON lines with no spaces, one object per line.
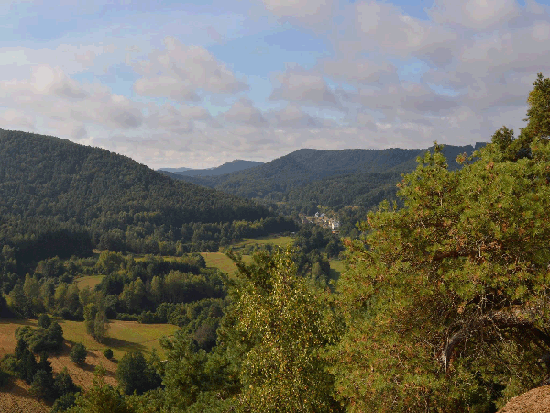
{"x":443,"y":306}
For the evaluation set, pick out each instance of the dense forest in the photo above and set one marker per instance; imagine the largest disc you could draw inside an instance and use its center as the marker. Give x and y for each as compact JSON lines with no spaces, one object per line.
{"x":307,"y":180}
{"x":443,"y":306}
{"x":56,"y":195}
{"x":274,"y":180}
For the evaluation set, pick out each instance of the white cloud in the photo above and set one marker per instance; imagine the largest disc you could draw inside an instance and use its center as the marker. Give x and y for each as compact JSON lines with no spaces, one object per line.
{"x":312,"y":13}
{"x":177,"y":120}
{"x":14,"y":119}
{"x":474,"y":14}
{"x":303,"y":87}
{"x":360,"y":70}
{"x":180,"y":72}
{"x":71,"y":59}
{"x":243,"y":111}
{"x":48,"y":80}
{"x":292,"y":116}
{"x":383,"y":27}
{"x":386,"y":80}
{"x":66,"y":105}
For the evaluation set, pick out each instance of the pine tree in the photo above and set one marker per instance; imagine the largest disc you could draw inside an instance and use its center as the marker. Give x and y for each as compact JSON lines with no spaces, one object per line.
{"x":446,"y":300}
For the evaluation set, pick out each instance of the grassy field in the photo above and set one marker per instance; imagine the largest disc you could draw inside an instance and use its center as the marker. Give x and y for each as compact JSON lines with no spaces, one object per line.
{"x":337,"y":266}
{"x":224,"y":264}
{"x":275,"y":240}
{"x":88,"y":281}
{"x":122,"y":336}
{"x":220,"y":261}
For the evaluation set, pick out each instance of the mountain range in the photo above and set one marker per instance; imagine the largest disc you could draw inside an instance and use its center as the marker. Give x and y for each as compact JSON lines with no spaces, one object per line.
{"x":226,"y":168}
{"x":335,"y":178}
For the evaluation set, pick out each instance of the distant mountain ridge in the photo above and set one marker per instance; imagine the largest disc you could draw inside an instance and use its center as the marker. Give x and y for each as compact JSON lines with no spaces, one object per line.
{"x":173,"y":170}
{"x":282,"y":179}
{"x":226,"y":168}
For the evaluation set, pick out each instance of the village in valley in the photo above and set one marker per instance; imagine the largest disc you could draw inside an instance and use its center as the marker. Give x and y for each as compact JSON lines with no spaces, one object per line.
{"x":322,"y":220}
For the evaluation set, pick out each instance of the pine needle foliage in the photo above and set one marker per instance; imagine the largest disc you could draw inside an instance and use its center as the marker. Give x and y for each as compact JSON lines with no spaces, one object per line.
{"x":446,"y":299}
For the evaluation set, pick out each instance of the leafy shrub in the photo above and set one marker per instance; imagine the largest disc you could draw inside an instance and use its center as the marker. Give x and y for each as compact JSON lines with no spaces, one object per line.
{"x":43,"y":339}
{"x":4,"y":378}
{"x":42,"y":385}
{"x":25,"y":366}
{"x":64,"y":403}
{"x":63,"y":383}
{"x":44,"y":321}
{"x":134,"y":373}
{"x":9,"y":364}
{"x":126,"y":317}
{"x":108,"y":353}
{"x":78,"y":354}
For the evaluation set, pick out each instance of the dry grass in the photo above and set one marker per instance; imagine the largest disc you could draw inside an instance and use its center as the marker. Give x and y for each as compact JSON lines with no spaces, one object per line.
{"x":123,"y":336}
{"x":16,"y":397}
{"x":220,"y":261}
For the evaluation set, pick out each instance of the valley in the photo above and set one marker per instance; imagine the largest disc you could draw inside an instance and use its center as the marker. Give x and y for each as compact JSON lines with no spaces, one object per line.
{"x":315,"y":261}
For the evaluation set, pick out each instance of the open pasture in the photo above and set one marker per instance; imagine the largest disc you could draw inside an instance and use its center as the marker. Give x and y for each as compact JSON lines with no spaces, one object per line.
{"x":88,"y":281}
{"x":122,"y":336}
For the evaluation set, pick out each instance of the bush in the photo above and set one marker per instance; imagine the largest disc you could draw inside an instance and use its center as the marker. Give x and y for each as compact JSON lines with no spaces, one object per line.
{"x":108,"y":353}
{"x":78,"y":354}
{"x":44,"y":321}
{"x":63,"y":383}
{"x":134,"y":373}
{"x":4,"y":378}
{"x":64,"y":403}
{"x":42,"y":385}
{"x":126,"y":317}
{"x":9,"y":364}
{"x":43,"y":339}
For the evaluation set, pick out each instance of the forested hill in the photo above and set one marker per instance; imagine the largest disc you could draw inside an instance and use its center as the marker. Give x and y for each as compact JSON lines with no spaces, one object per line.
{"x":226,"y":168}
{"x":284,"y":178}
{"x":46,"y":178}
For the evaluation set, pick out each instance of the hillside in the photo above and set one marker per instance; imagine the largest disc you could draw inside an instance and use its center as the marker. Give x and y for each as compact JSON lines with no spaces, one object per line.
{"x":50,"y":184}
{"x":226,"y":168}
{"x":174,"y":170}
{"x":311,"y":176}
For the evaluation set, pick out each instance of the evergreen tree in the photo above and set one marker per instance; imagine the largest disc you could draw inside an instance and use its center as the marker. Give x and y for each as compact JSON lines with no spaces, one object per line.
{"x":78,"y":354}
{"x":446,"y":299}
{"x":63,"y":384}
{"x":135,"y":374}
{"x":100,"y":398}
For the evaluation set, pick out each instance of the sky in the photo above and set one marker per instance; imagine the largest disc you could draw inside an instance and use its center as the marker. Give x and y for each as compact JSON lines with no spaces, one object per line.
{"x":199,"y":83}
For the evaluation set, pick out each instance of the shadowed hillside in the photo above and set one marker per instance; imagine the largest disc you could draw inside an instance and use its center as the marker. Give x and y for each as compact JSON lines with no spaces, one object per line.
{"x":329,"y":177}
{"x":55,"y":193}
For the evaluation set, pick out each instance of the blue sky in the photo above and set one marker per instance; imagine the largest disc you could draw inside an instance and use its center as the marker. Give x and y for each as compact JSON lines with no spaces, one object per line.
{"x":199,"y":83}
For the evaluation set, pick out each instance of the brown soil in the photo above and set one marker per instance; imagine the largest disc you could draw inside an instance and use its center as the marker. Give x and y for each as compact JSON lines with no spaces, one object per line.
{"x":534,"y":401}
{"x":15,"y":398}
